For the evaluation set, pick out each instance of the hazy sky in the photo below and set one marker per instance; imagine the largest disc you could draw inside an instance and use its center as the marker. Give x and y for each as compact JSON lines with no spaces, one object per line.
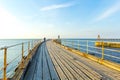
{"x":68,"y":18}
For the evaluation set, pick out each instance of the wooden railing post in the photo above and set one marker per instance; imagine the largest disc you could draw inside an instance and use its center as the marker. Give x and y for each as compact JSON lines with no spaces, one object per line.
{"x":28,"y":47}
{"x":22,"y":50}
{"x":102,"y":50}
{"x":32,"y":44}
{"x":5,"y":64}
{"x":22,"y":64}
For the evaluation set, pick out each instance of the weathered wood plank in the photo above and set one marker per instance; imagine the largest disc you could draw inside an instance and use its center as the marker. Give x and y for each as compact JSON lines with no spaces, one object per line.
{"x":101,"y":69}
{"x":68,"y":74}
{"x":70,"y":68}
{"x":84,"y":69}
{"x":75,"y":67}
{"x":46,"y":73}
{"x":85,"y":76}
{"x":58,"y":68}
{"x":38,"y":74}
{"x":72,"y":62}
{"x":41,"y":67}
{"x":52,"y":70}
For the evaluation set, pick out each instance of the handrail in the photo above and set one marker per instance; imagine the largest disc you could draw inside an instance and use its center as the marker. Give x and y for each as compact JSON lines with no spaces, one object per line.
{"x":94,"y":47}
{"x":75,"y":43}
{"x":12,"y":45}
{"x":9,"y":75}
{"x":13,"y":59}
{"x":91,"y":41}
{"x":31,"y":45}
{"x":112,"y":56}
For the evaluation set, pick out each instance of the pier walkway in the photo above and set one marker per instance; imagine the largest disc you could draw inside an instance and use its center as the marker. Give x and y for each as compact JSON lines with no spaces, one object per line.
{"x":41,"y":67}
{"x":51,"y":62}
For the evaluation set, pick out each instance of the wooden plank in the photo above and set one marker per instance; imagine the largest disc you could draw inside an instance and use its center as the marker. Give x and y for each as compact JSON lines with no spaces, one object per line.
{"x":64,"y":69}
{"x":70,"y":62}
{"x":31,"y":69}
{"x":53,"y":72}
{"x":40,"y":68}
{"x":93,"y":77}
{"x":58,"y":68}
{"x":46,"y":73}
{"x":85,"y":77}
{"x":38,"y":74}
{"x":60,"y":72}
{"x":78,"y":71}
{"x":70,"y":68}
{"x":102,"y":70}
{"x":65,"y":64}
{"x":93,"y":74}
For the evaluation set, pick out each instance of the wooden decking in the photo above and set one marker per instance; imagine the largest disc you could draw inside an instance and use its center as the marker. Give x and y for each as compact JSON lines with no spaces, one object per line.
{"x":41,"y":67}
{"x":70,"y":66}
{"x":51,"y":62}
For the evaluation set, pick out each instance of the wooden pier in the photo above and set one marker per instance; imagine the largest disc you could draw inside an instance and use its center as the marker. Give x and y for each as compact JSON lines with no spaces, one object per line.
{"x":52,"y":62}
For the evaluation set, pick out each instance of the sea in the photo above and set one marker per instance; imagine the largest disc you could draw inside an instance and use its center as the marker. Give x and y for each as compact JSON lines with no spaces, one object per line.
{"x":14,"y":53}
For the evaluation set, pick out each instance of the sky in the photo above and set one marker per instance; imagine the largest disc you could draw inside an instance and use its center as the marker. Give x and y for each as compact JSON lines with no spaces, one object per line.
{"x":67,"y":18}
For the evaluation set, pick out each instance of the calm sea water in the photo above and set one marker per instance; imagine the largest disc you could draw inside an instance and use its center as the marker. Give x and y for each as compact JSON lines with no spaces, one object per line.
{"x":92,"y":50}
{"x":13,"y":53}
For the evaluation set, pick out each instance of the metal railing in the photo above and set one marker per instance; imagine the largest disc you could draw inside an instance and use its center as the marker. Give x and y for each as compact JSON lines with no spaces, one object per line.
{"x":30,"y":46}
{"x":88,"y":46}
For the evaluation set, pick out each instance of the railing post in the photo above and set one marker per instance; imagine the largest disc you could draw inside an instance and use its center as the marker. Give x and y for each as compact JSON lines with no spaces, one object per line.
{"x":87,"y":46}
{"x":102,"y":50}
{"x":22,"y":65}
{"x":28,"y":47}
{"x":32,"y":44}
{"x":22,"y":50}
{"x":5,"y":64}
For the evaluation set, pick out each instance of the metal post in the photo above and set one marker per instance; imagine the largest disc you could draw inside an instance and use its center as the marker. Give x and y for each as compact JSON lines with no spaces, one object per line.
{"x":87,"y":46}
{"x":28,"y":47}
{"x":22,"y":55}
{"x":5,"y":64}
{"x":22,"y":50}
{"x":102,"y":50}
{"x":32,"y":44}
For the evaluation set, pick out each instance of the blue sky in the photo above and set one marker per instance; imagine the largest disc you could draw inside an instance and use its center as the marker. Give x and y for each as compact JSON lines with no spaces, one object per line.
{"x":68,"y":18}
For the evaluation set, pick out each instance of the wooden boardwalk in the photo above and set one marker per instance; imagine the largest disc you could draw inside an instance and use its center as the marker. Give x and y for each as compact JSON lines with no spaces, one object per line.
{"x":51,"y":62}
{"x":41,"y":67}
{"x":70,"y":66}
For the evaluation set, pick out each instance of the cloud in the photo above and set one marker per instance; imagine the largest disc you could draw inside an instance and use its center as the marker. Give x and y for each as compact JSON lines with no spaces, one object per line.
{"x":56,"y":6}
{"x":113,"y":9}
